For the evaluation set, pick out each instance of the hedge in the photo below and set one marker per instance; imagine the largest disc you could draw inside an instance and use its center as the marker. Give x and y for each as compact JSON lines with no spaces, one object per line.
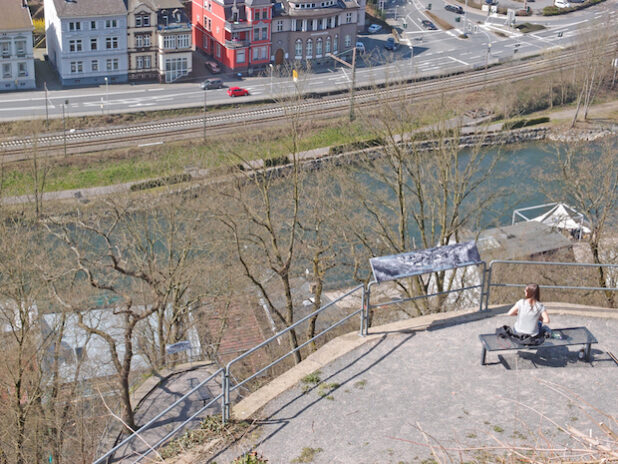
{"x":519,"y":123}
{"x":160,"y":182}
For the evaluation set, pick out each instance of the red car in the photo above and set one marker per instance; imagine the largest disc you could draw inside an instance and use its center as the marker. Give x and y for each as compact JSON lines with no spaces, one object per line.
{"x":237,"y":92}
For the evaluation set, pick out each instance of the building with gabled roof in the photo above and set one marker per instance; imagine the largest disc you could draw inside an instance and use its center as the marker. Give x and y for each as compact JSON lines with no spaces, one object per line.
{"x":87,"y":40}
{"x":16,"y":57}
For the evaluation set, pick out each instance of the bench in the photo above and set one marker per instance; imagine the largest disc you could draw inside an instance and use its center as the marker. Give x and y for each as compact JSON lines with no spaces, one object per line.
{"x":569,"y":336}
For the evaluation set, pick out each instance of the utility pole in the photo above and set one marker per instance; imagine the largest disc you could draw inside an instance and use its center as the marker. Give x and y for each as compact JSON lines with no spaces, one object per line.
{"x":46,"y":105}
{"x":64,"y":127}
{"x":205,"y":114}
{"x":466,"y":20}
{"x":106,"y":93}
{"x":271,"y":79}
{"x":353,"y":81}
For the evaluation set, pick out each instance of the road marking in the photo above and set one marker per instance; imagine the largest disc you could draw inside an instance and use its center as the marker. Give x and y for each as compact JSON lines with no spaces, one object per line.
{"x":459,"y":61}
{"x":137,"y":105}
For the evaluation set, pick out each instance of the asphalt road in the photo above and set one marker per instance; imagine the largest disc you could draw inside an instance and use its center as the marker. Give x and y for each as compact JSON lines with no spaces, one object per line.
{"x":423,"y":53}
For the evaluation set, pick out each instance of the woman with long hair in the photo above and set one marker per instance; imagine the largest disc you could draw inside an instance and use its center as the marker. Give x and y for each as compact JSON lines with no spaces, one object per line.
{"x":530,"y":312}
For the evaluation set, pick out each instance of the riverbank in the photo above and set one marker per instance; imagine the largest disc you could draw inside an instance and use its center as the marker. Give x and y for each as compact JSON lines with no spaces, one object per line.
{"x":602,"y":122}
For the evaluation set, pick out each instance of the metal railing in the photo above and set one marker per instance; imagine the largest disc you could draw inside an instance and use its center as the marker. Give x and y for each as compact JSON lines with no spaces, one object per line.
{"x":491,"y":284}
{"x":138,"y":436}
{"x":227,"y":388}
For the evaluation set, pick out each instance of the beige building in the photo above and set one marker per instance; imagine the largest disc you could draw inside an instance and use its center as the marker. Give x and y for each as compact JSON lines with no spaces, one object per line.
{"x":159,"y":40}
{"x":308,"y":30}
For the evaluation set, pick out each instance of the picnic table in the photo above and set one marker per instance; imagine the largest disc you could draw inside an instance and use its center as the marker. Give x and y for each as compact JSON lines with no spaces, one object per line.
{"x":568,"y":336}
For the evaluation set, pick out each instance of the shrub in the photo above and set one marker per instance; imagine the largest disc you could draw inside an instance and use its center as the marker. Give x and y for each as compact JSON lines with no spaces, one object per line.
{"x":519,"y":123}
{"x":276,"y":161}
{"x":353,"y":146}
{"x":160,"y":182}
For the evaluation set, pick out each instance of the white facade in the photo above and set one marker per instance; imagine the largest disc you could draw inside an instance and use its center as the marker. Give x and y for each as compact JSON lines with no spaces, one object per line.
{"x":16,"y":58}
{"x":87,"y":49}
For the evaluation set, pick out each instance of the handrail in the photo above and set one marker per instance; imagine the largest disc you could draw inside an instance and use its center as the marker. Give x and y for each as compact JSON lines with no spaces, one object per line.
{"x":156,"y":418}
{"x":490,"y":284}
{"x":226,"y":388}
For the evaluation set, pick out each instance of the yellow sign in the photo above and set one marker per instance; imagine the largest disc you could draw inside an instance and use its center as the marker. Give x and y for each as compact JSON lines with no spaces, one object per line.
{"x":294,"y":75}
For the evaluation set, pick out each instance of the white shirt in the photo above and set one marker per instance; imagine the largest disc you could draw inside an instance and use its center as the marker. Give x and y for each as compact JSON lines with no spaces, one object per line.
{"x":528,"y":317}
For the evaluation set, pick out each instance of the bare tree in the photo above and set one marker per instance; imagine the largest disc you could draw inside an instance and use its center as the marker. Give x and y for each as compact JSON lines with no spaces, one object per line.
{"x":586,"y":177}
{"x":140,"y":261}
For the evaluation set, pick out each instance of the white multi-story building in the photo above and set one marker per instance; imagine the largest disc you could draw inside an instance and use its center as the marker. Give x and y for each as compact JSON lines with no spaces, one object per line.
{"x":16,"y":59}
{"x":87,"y":40}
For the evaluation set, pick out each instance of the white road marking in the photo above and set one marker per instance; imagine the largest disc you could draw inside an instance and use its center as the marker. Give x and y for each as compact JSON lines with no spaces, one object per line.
{"x":459,"y":61}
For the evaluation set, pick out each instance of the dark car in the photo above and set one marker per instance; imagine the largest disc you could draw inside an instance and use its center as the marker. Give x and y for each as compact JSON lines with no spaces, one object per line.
{"x":391,"y":44}
{"x":212,"y":66}
{"x":212,"y":84}
{"x":237,"y":92}
{"x":429,"y":25}
{"x":454,"y":9}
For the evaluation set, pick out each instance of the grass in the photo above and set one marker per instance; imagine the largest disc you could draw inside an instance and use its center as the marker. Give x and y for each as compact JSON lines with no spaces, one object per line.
{"x":529,"y":27}
{"x":441,"y":22}
{"x":307,"y":455}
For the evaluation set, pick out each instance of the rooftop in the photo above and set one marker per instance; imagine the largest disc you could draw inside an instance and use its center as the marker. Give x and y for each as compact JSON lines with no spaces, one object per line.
{"x":89,"y":8}
{"x":15,"y":17}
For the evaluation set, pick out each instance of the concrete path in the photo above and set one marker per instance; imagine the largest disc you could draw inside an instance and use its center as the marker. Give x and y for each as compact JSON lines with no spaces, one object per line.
{"x":394,"y":398}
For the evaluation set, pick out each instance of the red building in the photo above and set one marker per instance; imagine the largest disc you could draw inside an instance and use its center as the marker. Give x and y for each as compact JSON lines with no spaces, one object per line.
{"x":236,"y":33}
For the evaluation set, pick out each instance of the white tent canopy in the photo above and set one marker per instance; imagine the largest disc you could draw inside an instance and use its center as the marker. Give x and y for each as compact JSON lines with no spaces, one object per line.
{"x":560,"y":216}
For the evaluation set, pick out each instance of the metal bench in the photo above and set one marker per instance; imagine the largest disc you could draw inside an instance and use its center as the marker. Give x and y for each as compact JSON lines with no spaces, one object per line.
{"x":569,"y":336}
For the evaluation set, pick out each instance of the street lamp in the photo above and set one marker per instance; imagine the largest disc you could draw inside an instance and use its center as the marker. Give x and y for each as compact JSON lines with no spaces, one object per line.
{"x":271,"y":79}
{"x":106,"y":92}
{"x":64,"y":127}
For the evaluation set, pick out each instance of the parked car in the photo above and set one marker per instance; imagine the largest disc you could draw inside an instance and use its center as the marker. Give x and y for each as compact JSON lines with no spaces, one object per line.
{"x":562,"y":4}
{"x":429,"y":25}
{"x":212,"y":66}
{"x":454,"y":9}
{"x":360,"y":47}
{"x":212,"y":84}
{"x":391,"y":44}
{"x":374,"y":28}
{"x":237,"y":92}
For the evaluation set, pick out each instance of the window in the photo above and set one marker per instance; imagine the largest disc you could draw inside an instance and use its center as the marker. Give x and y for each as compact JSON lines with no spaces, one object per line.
{"x":265,"y":33}
{"x":75,"y":45}
{"x":138,"y":21}
{"x":205,"y":42}
{"x":139,"y":41}
{"x":327,"y":44}
{"x":240,"y":56}
{"x":318,"y":48}
{"x":20,"y":47}
{"x":183,"y":41}
{"x":146,"y":20}
{"x":256,"y":15}
{"x":93,"y":25}
{"x":299,"y":49}
{"x":94,"y":65}
{"x":329,"y":23}
{"x":348,"y":18}
{"x":140,"y":62}
{"x":111,"y":42}
{"x":75,"y":26}
{"x":6,"y":70}
{"x":256,"y":33}
{"x":142,"y":20}
{"x":111,"y":23}
{"x":336,"y":44}
{"x":207,"y":24}
{"x":218,"y":50}
{"x":279,"y":26}
{"x":5,"y":49}
{"x":93,"y":44}
{"x":348,"y":41}
{"x":169,"y":42}
{"x":310,"y":24}
{"x":320,"y":24}
{"x":146,"y":40}
{"x":309,"y":51}
{"x":299,"y":25}
{"x":76,"y":67}
{"x":112,"y":64}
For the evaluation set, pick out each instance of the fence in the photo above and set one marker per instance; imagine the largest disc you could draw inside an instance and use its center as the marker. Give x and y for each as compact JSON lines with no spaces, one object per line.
{"x":134,"y":448}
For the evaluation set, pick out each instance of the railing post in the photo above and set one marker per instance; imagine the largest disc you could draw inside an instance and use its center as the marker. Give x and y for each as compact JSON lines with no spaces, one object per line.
{"x":488,"y":283}
{"x":483,"y":288}
{"x":362,"y":313}
{"x":226,"y":395}
{"x":223,"y":381}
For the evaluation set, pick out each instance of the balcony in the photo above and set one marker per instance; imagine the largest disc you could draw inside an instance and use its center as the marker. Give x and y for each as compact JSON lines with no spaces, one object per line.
{"x":236,"y":43}
{"x":174,"y":27}
{"x":238,"y":26}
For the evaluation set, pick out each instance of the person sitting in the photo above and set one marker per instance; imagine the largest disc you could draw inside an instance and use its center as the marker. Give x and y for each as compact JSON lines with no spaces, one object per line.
{"x":531,"y":314}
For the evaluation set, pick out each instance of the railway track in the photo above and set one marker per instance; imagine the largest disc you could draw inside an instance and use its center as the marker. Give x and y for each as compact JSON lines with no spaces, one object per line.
{"x":85,"y":141}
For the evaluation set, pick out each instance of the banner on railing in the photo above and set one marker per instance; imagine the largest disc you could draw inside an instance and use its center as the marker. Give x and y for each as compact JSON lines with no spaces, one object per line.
{"x":418,"y":262}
